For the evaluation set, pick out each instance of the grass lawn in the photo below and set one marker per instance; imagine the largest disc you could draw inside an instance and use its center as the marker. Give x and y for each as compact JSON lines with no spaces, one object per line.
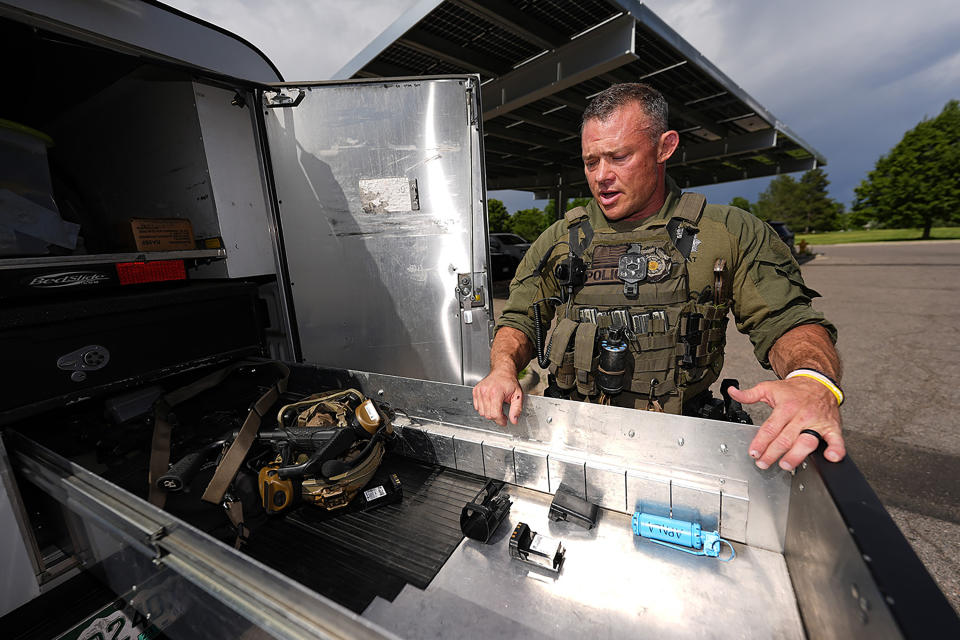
{"x":878,"y":235}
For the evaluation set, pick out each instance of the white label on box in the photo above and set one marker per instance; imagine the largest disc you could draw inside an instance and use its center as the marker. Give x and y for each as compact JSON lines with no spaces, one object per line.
{"x":373,"y":494}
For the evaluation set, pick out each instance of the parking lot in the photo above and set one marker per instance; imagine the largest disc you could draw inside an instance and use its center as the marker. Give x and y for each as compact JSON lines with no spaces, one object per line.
{"x":897,"y":308}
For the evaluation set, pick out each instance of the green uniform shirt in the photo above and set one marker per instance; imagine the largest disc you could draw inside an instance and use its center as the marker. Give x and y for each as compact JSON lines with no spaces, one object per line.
{"x":769,"y":295}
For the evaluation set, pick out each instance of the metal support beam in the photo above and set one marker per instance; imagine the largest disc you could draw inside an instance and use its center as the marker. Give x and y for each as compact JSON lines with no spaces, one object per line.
{"x":538,"y":182}
{"x":533,"y":139}
{"x":472,"y":62}
{"x":508,"y":17}
{"x":756,"y":141}
{"x":603,"y":49}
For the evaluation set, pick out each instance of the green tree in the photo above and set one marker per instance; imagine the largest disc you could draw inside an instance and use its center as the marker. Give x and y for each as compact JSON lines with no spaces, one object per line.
{"x":741,"y":203}
{"x":530,"y":223}
{"x":497,"y":216}
{"x":821,"y":212}
{"x":803,"y":204}
{"x":918,"y":182}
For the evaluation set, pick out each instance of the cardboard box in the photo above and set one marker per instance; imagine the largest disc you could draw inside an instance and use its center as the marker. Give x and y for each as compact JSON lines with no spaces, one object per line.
{"x":162,"y":234}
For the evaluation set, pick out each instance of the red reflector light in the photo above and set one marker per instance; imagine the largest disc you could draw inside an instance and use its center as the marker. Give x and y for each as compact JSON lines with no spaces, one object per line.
{"x":159,"y":271}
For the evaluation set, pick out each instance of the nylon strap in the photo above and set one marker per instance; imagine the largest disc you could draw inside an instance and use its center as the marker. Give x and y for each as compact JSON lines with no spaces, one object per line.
{"x":690,"y":209}
{"x":238,"y":449}
{"x":234,"y":509}
{"x":160,"y":444}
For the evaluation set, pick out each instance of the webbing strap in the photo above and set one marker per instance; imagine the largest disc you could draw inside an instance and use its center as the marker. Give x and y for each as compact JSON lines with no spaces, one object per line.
{"x":238,"y":449}
{"x":690,"y":207}
{"x":234,"y":509}
{"x":160,"y":444}
{"x":584,"y":346}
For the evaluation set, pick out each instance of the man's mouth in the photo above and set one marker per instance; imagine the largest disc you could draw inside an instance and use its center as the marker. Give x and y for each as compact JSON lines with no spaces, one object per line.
{"x":607,"y":198}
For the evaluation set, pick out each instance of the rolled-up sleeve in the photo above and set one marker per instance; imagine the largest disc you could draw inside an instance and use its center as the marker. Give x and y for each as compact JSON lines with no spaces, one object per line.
{"x":770,"y":296}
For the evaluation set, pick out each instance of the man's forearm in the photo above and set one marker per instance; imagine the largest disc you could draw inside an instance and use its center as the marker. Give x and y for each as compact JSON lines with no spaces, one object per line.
{"x":805,"y":347}
{"x":511,"y":350}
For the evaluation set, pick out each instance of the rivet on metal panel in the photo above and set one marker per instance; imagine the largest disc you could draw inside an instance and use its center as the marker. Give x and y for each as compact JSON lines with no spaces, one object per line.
{"x":801,"y":486}
{"x":889,"y":600}
{"x":632,"y":433}
{"x":803,"y":465}
{"x":133,"y":588}
{"x":722,"y":481}
{"x":867,"y":558}
{"x":680,"y":441}
{"x":864,"y":604}
{"x":549,"y":419}
{"x":855,"y":590}
{"x":723,"y":448}
{"x":379,"y":392}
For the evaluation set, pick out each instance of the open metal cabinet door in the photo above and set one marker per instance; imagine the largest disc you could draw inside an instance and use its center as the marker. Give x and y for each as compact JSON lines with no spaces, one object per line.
{"x":379,"y":193}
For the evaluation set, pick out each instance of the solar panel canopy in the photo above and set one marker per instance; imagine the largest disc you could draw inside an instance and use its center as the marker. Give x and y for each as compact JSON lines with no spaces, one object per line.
{"x":540,"y":62}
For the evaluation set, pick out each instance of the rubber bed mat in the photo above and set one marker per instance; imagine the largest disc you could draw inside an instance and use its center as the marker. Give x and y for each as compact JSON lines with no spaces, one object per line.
{"x":353,"y":557}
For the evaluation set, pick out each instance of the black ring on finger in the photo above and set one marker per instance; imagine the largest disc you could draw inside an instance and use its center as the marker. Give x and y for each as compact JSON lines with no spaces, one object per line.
{"x":815,"y":434}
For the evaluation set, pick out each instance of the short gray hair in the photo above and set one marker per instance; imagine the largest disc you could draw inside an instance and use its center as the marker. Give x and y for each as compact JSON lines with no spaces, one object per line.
{"x":617,"y":96}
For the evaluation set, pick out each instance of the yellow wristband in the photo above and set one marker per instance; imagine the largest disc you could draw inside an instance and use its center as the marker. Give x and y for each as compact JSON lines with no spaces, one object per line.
{"x":822,"y":378}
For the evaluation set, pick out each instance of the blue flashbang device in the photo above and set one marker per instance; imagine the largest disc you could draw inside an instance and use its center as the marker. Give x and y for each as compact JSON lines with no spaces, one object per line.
{"x":681,"y":535}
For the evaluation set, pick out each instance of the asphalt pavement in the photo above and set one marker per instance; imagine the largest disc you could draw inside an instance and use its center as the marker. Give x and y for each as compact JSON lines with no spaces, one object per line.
{"x":897,"y":309}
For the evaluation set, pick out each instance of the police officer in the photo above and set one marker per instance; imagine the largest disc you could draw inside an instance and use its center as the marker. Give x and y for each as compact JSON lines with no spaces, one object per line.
{"x":643,"y":279}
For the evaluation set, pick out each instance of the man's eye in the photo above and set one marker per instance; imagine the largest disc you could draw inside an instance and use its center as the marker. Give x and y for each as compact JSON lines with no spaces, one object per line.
{"x":590,"y":164}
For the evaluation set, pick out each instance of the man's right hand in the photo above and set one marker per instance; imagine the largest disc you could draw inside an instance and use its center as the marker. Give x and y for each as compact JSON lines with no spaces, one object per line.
{"x":498,"y":388}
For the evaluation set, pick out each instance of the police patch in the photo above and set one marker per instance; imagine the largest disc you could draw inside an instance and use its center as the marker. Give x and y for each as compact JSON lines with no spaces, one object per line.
{"x":606,"y":262}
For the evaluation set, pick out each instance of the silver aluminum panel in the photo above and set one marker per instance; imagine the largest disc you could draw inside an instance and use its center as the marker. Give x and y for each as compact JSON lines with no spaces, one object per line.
{"x":498,"y":462}
{"x":435,"y":448}
{"x":618,"y":436}
{"x":606,"y":485}
{"x":696,"y":503}
{"x":373,"y":276}
{"x":613,"y":585}
{"x":835,"y":588}
{"x":469,"y":456}
{"x":568,"y":470}
{"x":734,"y":510}
{"x":648,"y":492}
{"x":532,"y":469}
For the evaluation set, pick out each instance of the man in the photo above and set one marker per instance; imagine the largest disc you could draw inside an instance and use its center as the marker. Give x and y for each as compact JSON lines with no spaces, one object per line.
{"x":644,"y":278}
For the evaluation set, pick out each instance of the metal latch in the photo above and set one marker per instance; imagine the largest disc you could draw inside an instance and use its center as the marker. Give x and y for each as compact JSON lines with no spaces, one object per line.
{"x":470,"y":293}
{"x":280,"y":98}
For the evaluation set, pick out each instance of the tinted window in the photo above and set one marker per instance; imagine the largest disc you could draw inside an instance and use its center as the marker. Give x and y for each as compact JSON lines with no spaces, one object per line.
{"x":511,"y":239}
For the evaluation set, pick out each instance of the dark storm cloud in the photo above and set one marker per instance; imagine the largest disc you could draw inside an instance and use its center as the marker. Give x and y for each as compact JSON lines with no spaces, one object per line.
{"x":848,"y":77}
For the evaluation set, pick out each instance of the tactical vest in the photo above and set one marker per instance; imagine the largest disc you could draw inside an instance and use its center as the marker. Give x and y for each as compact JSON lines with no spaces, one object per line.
{"x":637,"y":283}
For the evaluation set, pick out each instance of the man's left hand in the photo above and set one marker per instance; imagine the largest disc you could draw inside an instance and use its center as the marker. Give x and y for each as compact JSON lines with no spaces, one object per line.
{"x":798,"y":403}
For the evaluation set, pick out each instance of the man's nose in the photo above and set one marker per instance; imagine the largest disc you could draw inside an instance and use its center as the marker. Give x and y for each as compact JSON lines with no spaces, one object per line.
{"x":604,"y":172}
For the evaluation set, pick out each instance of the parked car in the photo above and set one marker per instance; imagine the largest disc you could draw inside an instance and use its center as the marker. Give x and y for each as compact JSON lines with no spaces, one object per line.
{"x":785,"y":234}
{"x":510,"y":243}
{"x":502,"y":265}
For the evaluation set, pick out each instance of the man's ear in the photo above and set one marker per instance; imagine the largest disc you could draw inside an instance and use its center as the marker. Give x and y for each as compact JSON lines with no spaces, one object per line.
{"x":666,"y":145}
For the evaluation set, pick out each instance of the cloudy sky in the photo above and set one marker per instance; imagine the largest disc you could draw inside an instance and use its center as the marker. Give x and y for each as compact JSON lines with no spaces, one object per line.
{"x":848,"y":76}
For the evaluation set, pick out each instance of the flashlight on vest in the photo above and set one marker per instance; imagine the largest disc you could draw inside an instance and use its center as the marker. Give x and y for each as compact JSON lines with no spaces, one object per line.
{"x":681,"y":535}
{"x":613,"y":363}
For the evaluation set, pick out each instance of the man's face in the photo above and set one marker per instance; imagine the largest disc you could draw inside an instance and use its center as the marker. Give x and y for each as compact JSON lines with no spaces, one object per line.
{"x":620,"y":161}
